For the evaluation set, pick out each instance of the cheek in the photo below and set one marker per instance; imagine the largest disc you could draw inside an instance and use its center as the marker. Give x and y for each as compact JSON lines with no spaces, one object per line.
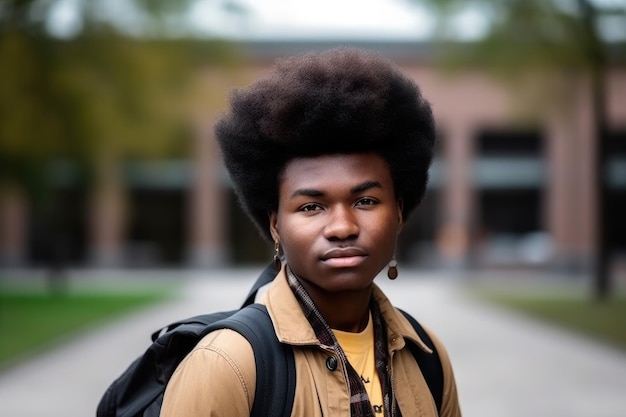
{"x":385,"y":234}
{"x":387,"y":224}
{"x":295,"y":235}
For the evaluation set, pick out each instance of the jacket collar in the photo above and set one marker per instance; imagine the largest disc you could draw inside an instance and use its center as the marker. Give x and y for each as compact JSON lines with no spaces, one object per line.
{"x":293,"y":328}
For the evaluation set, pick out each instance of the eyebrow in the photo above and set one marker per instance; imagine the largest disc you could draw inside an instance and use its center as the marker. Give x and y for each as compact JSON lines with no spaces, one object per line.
{"x":307,"y":192}
{"x":312,"y":192}
{"x":365,"y":186}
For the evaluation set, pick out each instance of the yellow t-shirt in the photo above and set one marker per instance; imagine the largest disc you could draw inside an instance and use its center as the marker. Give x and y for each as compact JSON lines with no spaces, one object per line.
{"x":359,"y":348}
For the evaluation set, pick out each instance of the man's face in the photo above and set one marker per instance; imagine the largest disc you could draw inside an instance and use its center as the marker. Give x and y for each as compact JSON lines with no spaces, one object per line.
{"x":337,"y":220}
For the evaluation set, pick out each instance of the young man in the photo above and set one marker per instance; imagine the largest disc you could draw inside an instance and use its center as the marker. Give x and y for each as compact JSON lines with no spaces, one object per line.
{"x":329,"y":156}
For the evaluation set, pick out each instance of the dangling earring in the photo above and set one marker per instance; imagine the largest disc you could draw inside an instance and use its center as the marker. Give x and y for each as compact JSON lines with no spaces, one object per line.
{"x":277,"y":263}
{"x":392,"y":271}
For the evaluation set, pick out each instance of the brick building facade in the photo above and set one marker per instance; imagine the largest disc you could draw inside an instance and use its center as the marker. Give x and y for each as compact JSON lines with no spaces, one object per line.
{"x":508,"y":186}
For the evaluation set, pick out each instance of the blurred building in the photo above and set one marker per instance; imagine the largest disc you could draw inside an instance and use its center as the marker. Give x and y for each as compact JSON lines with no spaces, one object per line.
{"x":506,"y":188}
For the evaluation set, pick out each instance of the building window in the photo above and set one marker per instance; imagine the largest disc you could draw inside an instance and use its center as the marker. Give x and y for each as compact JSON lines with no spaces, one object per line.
{"x":509,"y":181}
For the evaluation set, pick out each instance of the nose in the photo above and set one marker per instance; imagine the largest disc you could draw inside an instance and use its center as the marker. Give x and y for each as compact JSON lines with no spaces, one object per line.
{"x":342,"y":224}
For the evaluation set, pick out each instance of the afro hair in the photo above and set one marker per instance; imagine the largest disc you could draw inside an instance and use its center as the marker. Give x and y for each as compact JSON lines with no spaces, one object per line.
{"x":342,"y":100}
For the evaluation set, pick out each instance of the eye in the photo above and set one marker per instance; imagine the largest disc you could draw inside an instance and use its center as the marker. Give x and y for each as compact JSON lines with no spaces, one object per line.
{"x":366,"y":201}
{"x":310,"y":207}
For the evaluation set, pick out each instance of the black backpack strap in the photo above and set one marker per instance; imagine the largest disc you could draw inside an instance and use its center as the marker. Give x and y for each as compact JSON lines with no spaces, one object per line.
{"x":139,"y":390}
{"x":267,"y":276}
{"x":430,"y":364}
{"x":275,"y":365}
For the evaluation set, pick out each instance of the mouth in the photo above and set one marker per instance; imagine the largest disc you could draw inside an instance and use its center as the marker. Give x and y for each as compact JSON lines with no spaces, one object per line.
{"x":344,"y":257}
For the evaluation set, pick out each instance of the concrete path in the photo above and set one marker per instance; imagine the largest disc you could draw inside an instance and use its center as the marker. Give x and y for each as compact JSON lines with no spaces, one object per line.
{"x":505,"y":364}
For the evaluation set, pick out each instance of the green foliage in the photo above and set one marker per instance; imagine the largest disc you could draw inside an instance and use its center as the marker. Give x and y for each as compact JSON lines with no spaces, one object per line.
{"x":101,"y":97}
{"x":83,"y":100}
{"x":80,"y":108}
{"x":530,"y":34}
{"x":120,"y":92}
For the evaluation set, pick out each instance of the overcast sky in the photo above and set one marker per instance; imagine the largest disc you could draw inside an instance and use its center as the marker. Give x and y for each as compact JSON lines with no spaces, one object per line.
{"x":302,"y":19}
{"x":319,"y":18}
{"x":369,"y":19}
{"x":288,"y":19}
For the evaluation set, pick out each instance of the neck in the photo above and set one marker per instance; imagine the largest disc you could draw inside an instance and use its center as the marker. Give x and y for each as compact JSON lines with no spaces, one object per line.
{"x":347,"y":311}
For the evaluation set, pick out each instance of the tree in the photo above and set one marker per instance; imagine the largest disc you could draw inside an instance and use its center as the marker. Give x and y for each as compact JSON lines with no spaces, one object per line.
{"x":97,"y":99}
{"x":540,"y":35}
{"x":31,"y":130}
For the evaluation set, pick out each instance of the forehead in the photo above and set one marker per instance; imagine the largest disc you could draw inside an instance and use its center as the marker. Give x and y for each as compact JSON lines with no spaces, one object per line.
{"x":326,"y":171}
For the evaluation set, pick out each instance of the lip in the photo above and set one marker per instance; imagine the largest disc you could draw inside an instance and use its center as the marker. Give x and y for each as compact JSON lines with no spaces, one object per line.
{"x":344,"y":257}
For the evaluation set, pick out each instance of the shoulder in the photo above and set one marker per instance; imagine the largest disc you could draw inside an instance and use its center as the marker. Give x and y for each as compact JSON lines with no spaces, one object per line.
{"x":228,"y":345}
{"x":218,"y":376}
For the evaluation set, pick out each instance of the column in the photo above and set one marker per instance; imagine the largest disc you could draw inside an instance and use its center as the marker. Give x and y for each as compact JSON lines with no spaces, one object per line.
{"x":13,"y":226}
{"x":570,"y":194}
{"x":208,"y":221}
{"x":453,"y":237}
{"x":107,"y":215}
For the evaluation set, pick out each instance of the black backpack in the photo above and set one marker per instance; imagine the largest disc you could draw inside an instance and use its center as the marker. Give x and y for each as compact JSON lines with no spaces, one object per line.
{"x":138,"y":392}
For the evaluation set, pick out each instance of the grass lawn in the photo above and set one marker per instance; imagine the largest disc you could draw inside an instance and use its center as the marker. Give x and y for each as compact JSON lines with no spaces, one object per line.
{"x":604,"y":321}
{"x":32,"y":321}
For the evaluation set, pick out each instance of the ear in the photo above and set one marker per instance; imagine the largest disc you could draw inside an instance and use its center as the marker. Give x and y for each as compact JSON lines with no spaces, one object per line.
{"x":400,"y":219}
{"x":273,"y":216}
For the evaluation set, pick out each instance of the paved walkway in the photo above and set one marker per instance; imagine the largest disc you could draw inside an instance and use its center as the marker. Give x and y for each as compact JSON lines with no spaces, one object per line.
{"x":506,"y":364}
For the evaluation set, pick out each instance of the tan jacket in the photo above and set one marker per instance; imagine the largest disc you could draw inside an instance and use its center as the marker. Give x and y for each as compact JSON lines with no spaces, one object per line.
{"x":222,"y":364}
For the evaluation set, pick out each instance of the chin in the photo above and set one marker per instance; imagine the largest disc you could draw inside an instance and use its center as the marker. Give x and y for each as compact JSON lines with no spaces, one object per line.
{"x":347,"y":280}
